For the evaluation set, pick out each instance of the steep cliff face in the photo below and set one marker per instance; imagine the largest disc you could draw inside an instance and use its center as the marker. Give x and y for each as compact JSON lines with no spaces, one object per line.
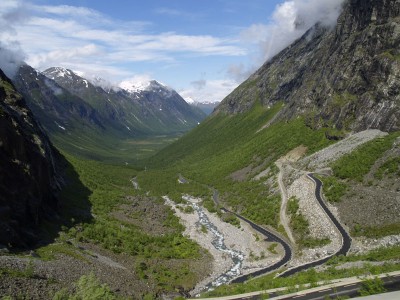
{"x":28,"y":170}
{"x":347,"y":77}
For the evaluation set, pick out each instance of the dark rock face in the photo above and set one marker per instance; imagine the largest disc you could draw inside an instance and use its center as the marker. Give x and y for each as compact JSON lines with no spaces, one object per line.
{"x":347,"y":77}
{"x":28,"y":170}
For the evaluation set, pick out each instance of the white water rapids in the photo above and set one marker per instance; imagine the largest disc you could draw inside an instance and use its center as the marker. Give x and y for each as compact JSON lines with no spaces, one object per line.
{"x":218,"y":242}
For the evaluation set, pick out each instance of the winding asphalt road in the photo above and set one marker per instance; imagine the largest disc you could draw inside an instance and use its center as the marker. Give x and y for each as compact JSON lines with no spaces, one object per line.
{"x":271,"y":238}
{"x":346,"y":240}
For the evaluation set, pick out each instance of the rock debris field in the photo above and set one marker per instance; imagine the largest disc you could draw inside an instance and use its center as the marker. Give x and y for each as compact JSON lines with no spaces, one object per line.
{"x":243,"y":239}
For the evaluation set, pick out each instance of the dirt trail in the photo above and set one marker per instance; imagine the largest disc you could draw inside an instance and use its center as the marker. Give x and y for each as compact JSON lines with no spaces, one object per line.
{"x":292,"y":156}
{"x":283,"y":216}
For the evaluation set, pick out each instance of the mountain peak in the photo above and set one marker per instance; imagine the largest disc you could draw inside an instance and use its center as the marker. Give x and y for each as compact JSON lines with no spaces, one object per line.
{"x":55,"y":72}
{"x":138,"y":86}
{"x":63,"y":75}
{"x":189,"y":100}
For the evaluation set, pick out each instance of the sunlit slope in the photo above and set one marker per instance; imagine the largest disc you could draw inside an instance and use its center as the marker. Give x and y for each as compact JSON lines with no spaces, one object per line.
{"x":226,"y":143}
{"x":226,"y":152}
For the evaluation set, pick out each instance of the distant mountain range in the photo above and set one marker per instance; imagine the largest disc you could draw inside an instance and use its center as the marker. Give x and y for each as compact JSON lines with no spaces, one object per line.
{"x":206,"y":106}
{"x":68,"y":105}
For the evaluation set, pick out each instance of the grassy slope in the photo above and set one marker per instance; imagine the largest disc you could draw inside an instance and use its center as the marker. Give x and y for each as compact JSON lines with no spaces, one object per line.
{"x":222,"y":145}
{"x":108,"y":148}
{"x":206,"y":156}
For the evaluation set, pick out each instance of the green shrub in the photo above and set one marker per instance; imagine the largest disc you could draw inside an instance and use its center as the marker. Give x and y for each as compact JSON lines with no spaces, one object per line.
{"x":298,"y":222}
{"x":272,"y":248}
{"x":231,"y":219}
{"x":88,"y":287}
{"x":333,"y":189}
{"x":390,"y":167}
{"x":376,"y":231}
{"x":358,"y":163}
{"x":314,"y":242}
{"x":293,"y":206}
{"x":372,"y":287}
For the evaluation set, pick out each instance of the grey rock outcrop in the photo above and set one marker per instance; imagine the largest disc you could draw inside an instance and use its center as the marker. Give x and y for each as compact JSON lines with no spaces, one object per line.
{"x":347,"y":77}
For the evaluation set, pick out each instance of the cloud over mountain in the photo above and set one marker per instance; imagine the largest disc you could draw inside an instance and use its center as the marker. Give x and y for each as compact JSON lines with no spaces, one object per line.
{"x":290,"y":20}
{"x":11,"y":54}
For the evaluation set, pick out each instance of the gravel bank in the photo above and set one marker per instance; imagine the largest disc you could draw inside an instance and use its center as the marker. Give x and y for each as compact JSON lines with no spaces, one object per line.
{"x":323,"y":158}
{"x":320,"y":225}
{"x":362,"y":244}
{"x":242,"y":239}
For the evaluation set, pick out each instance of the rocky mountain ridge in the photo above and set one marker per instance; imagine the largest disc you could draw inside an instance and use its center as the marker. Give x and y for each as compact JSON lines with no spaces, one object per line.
{"x":152,"y":107}
{"x":72,"y":109}
{"x":347,"y":77}
{"x":56,"y":108}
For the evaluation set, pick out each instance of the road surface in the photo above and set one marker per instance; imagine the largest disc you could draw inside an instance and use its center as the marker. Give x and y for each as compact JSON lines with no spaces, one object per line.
{"x":346,"y":240}
{"x":339,"y":287}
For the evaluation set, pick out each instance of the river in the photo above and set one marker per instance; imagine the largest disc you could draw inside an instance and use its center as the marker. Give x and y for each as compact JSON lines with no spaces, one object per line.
{"x":219,"y":244}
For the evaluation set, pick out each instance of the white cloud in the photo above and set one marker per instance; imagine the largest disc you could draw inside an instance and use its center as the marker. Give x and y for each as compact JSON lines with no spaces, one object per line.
{"x":136,"y":80}
{"x":175,"y":13}
{"x":7,"y":5}
{"x":255,"y":33}
{"x":290,"y":20}
{"x":68,"y":35}
{"x":64,"y":56}
{"x":11,"y":54}
{"x":240,"y":72}
{"x":67,"y":10}
{"x":199,"y":84}
{"x":10,"y":59}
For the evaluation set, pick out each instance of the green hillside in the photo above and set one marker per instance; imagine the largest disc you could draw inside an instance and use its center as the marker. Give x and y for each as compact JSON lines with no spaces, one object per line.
{"x":225,"y":152}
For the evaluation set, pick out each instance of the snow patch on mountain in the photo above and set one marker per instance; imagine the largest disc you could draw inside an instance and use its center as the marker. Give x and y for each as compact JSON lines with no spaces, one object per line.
{"x":137,"y":86}
{"x":134,"y":87}
{"x":57,"y":72}
{"x":189,"y":100}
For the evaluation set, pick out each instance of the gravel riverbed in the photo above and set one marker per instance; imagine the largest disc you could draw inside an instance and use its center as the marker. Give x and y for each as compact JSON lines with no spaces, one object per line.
{"x":243,"y":239}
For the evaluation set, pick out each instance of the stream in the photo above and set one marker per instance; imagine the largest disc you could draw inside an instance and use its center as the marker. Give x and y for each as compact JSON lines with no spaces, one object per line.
{"x":218,"y":242}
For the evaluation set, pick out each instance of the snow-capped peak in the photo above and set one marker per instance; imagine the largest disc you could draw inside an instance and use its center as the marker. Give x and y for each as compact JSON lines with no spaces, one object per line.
{"x":189,"y":100}
{"x":57,"y":72}
{"x":136,"y":86}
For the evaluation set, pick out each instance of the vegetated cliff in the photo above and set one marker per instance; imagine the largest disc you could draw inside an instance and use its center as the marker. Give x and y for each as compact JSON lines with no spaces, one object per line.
{"x":28,"y":171}
{"x":347,"y":77}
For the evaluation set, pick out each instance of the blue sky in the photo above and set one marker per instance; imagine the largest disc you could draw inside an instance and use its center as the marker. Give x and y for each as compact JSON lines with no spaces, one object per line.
{"x":201,"y":48}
